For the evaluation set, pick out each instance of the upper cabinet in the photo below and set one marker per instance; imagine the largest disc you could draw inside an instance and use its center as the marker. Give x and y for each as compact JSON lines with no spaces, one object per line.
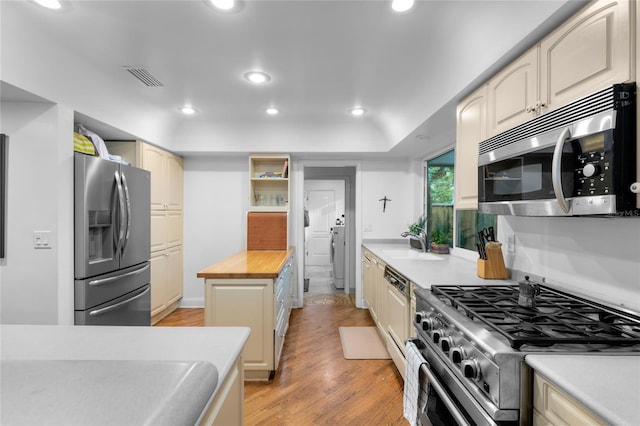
{"x":471,"y":129}
{"x":166,"y":177}
{"x":513,"y":94}
{"x":269,"y":177}
{"x":587,"y":53}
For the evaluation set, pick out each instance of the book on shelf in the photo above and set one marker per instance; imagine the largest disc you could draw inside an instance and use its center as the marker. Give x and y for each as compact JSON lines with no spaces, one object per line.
{"x":285,"y":169}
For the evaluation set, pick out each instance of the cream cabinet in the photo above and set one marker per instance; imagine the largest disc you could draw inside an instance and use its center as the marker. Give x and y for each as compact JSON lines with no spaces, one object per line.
{"x":398,"y":308}
{"x":590,"y":51}
{"x":166,"y":281}
{"x":227,"y":407}
{"x":375,"y":290}
{"x":381,"y":298}
{"x":471,"y":129}
{"x":269,"y":182}
{"x":513,"y":94}
{"x":167,"y":182}
{"x":264,"y":305}
{"x":369,"y":281}
{"x":552,"y":406}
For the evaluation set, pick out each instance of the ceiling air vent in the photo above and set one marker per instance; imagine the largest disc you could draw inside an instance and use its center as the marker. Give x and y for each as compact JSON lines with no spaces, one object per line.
{"x":144,"y":76}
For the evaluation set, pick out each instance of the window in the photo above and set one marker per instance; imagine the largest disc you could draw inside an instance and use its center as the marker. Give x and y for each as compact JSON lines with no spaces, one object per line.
{"x":439,"y":208}
{"x":439,"y":198}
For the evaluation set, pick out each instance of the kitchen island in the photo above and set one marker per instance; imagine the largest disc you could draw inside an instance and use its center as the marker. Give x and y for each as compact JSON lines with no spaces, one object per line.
{"x":601,"y":389}
{"x":253,"y":288}
{"x":161,"y":357}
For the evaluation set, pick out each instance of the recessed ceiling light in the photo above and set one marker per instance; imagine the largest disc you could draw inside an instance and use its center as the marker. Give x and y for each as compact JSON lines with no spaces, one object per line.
{"x":357,"y":111}
{"x":257,"y":77}
{"x":187,"y":110}
{"x":49,"y":4}
{"x":401,"y":5}
{"x":223,"y":4}
{"x":272,"y":111}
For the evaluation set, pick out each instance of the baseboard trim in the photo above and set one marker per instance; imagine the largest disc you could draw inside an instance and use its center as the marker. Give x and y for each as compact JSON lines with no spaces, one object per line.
{"x":192,"y":302}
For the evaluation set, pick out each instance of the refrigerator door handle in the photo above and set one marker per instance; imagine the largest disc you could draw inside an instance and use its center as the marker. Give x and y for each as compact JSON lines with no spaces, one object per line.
{"x":117,"y":277}
{"x":117,"y":305}
{"x":128,"y":204}
{"x":121,"y":205}
{"x":114,"y":208}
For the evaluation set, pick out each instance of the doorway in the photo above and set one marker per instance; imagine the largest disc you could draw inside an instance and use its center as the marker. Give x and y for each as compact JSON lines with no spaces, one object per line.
{"x":324,"y":242}
{"x":329,"y":237}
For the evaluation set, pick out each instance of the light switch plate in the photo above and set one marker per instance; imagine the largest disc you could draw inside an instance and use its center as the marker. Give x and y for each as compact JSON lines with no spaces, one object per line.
{"x":42,"y":239}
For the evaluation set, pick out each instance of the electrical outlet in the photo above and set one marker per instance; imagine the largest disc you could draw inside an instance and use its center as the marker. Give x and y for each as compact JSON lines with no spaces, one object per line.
{"x":511,"y":243}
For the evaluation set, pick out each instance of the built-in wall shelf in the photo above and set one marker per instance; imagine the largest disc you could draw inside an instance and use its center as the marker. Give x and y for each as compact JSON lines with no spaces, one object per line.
{"x":269,"y":177}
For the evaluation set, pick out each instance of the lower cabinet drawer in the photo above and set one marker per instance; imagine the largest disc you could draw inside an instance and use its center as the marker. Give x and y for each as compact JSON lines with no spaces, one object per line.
{"x":396,"y":355}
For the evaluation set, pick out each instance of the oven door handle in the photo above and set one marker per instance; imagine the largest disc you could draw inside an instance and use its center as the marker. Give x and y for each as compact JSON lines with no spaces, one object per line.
{"x":453,"y":409}
{"x":556,"y":169}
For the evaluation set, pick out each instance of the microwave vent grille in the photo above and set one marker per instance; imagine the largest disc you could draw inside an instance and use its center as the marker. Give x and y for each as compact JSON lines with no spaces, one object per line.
{"x":590,"y":105}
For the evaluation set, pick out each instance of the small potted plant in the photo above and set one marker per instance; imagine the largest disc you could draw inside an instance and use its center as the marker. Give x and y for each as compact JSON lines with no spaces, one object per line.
{"x":417,"y":228}
{"x":439,"y":241}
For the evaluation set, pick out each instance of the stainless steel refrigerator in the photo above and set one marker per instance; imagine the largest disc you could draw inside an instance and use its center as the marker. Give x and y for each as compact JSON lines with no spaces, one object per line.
{"x":112,"y":243}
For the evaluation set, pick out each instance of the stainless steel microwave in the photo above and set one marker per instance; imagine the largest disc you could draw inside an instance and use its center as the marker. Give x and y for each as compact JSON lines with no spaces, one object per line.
{"x":577,"y":160}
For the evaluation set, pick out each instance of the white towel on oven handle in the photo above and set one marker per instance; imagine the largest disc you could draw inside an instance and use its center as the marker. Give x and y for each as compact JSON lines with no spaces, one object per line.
{"x":415,"y":392}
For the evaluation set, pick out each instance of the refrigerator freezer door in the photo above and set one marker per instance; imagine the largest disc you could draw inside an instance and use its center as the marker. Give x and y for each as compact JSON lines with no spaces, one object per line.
{"x":91,"y":292}
{"x":95,"y":211}
{"x":130,"y":309}
{"x":136,"y":225}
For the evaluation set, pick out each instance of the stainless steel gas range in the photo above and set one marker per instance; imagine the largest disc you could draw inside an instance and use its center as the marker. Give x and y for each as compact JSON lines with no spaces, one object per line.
{"x":475,"y":339}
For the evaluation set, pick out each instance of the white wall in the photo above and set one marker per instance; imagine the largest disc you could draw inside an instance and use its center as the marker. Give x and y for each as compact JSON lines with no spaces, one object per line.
{"x":216,"y":194}
{"x":37,"y":285}
{"x":598,"y":257}
{"x":397,"y":180}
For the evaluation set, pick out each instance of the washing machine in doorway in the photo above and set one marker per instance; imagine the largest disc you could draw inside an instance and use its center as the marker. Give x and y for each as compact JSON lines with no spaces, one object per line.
{"x":337,"y":254}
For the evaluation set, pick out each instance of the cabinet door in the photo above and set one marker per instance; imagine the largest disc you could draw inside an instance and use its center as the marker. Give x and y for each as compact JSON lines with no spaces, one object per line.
{"x":175,"y":182}
{"x":159,"y":230}
{"x":159,"y":282}
{"x":246,"y":304}
{"x":397,"y":314}
{"x":471,"y":129}
{"x":381,"y":298}
{"x":513,"y":94}
{"x":153,"y":160}
{"x":589,"y":52}
{"x":174,"y":274}
{"x":174,"y":228}
{"x":368,"y":278}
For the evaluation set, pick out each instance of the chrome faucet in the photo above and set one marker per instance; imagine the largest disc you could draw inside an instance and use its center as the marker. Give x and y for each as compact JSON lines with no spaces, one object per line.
{"x":422,"y":238}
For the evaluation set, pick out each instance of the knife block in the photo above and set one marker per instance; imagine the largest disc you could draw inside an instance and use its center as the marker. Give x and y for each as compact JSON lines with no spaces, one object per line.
{"x":493,"y":266}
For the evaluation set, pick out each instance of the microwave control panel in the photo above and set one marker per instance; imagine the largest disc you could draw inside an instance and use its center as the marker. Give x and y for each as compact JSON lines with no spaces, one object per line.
{"x":593,"y":174}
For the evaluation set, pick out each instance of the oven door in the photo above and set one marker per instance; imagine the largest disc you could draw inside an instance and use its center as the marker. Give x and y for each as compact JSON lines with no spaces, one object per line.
{"x":449,"y":402}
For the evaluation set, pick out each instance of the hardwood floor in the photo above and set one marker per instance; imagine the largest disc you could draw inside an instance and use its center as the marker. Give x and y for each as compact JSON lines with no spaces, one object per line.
{"x":314,"y":384}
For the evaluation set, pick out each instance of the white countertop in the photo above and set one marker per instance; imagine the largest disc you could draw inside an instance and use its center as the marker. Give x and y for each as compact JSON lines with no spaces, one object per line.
{"x":219,"y":346}
{"x":608,"y":385}
{"x":451,"y":270}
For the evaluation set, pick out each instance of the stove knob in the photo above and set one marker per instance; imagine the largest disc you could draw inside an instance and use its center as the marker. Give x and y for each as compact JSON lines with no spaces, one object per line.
{"x":419,"y":316}
{"x":456,"y":354}
{"x":446,"y":343}
{"x":428,"y":324}
{"x":470,"y":369}
{"x":436,"y":335}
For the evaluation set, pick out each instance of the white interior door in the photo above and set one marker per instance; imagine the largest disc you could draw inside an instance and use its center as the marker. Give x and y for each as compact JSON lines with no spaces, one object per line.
{"x":321,"y":205}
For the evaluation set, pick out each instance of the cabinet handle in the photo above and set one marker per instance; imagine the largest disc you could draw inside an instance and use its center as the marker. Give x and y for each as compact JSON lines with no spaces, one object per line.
{"x":540,"y":105}
{"x":529,"y":109}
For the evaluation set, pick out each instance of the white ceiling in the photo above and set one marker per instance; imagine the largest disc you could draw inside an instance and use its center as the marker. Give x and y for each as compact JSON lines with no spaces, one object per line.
{"x":324,"y":57}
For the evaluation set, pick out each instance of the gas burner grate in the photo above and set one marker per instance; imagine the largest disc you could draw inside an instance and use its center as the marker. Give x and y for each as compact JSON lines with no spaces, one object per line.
{"x":557,"y":318}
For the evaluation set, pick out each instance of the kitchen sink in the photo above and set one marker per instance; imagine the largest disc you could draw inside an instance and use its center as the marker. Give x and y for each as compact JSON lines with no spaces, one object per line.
{"x":411,"y":255}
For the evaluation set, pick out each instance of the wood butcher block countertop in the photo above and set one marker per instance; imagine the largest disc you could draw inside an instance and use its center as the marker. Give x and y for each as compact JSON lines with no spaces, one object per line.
{"x":249,"y":264}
